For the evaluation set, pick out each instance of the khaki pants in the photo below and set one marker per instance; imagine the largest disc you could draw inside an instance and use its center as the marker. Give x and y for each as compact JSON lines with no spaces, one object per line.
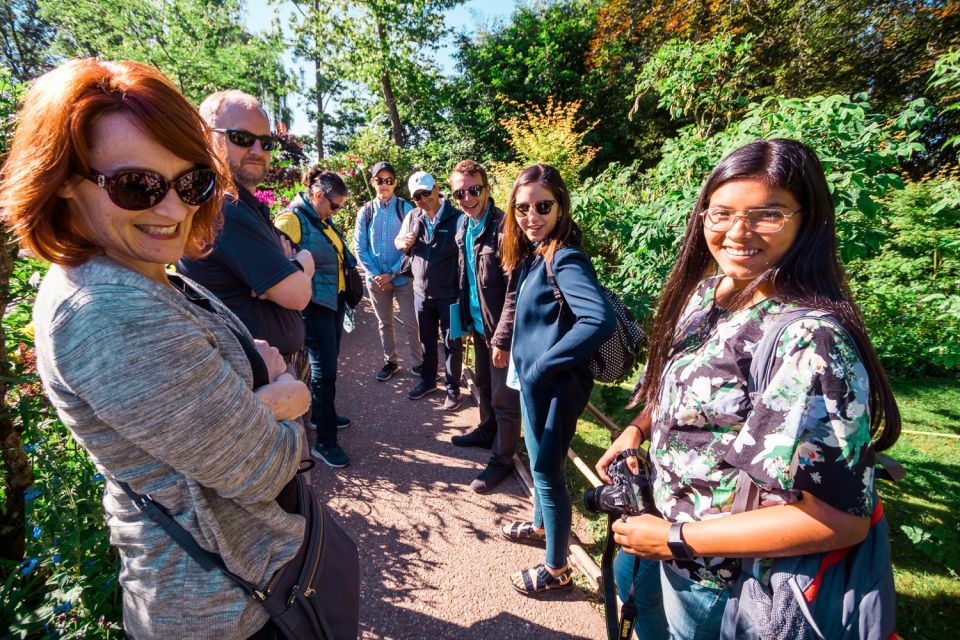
{"x":384,"y":310}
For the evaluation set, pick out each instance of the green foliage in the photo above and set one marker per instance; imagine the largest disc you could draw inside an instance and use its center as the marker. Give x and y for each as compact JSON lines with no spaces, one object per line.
{"x":201,"y":45}
{"x":24,"y":39}
{"x":703,"y":81}
{"x":907,"y":291}
{"x":67,"y":585}
{"x":946,"y":77}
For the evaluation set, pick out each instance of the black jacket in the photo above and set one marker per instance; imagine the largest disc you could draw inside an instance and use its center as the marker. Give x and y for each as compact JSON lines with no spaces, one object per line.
{"x":434,"y":263}
{"x":495,"y":289}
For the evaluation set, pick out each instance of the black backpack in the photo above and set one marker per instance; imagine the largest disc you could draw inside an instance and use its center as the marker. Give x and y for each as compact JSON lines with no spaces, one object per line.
{"x":615,"y":358}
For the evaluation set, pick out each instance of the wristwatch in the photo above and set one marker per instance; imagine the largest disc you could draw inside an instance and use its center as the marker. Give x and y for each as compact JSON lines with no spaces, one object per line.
{"x":678,"y":547}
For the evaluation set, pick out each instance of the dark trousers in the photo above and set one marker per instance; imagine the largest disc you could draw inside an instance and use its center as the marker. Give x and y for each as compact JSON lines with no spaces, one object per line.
{"x":499,"y":404}
{"x":323,"y":328}
{"x":434,"y":318}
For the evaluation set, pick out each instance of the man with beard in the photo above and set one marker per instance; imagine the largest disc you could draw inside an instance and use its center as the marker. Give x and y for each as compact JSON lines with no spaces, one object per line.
{"x":254,"y":268}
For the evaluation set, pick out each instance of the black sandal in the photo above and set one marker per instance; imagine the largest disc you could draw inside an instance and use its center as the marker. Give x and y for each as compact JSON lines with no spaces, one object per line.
{"x":537,"y":581}
{"x":523,"y":533}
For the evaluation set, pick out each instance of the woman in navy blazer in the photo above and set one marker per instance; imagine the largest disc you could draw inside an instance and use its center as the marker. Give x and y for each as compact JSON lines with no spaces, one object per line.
{"x":556,"y":330}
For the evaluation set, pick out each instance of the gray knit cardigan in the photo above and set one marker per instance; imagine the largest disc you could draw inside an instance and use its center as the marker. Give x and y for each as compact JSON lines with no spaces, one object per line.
{"x":158,"y":391}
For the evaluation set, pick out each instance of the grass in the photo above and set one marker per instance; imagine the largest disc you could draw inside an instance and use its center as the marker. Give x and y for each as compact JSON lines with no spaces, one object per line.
{"x":923,"y":509}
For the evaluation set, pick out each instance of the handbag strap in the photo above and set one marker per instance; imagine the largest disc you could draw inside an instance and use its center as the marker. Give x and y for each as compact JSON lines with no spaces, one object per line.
{"x":206,"y":559}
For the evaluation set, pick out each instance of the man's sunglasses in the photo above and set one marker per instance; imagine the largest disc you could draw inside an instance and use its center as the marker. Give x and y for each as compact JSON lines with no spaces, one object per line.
{"x":246,"y":139}
{"x":386,"y":181}
{"x":543,"y":207}
{"x":420,"y":195}
{"x":475,"y":191}
{"x":139,"y":189}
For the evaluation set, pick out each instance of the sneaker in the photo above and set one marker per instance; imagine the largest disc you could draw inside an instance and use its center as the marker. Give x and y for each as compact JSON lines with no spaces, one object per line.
{"x":472,"y":439}
{"x":452,"y":403}
{"x":332,"y":455}
{"x":490,"y":477}
{"x":417,"y":370}
{"x":423,"y":388}
{"x":388,"y":370}
{"x":342,"y":423}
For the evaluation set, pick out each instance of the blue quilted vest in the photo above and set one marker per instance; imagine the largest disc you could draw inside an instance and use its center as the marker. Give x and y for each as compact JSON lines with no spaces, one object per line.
{"x":326,"y":276}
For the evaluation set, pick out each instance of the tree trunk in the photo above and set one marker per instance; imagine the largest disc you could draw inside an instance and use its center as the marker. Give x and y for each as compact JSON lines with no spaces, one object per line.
{"x":386,"y":87}
{"x":319,"y":117}
{"x":16,"y":465}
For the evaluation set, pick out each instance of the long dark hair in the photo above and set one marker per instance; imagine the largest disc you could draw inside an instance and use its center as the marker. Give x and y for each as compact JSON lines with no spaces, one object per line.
{"x":809,"y":273}
{"x":516,"y":247}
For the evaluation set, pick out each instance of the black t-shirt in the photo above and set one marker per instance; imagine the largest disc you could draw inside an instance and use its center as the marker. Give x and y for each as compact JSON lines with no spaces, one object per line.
{"x":247,"y":257}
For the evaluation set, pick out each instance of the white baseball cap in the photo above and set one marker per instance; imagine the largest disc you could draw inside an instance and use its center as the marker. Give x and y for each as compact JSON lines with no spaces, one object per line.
{"x":421,"y":181}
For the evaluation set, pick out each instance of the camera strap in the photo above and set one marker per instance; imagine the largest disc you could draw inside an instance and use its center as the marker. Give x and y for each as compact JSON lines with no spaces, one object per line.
{"x":617,"y":629}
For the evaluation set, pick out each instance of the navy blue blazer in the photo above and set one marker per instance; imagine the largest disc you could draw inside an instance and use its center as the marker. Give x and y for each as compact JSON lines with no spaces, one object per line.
{"x":551,"y":348}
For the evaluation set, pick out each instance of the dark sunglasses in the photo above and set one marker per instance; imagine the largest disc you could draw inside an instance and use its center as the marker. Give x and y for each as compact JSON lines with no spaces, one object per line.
{"x":543,"y":207}
{"x":246,"y":139}
{"x":333,"y":205}
{"x":386,"y":181}
{"x":139,"y":189}
{"x":475,"y":191}
{"x":420,"y":195}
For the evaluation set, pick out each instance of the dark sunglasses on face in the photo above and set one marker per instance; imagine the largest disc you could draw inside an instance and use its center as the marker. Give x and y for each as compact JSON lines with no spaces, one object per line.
{"x":139,"y":189}
{"x":246,"y":139}
{"x":420,"y":195}
{"x":333,"y":205}
{"x":543,"y":207}
{"x":475,"y":191}
{"x":387,"y":181}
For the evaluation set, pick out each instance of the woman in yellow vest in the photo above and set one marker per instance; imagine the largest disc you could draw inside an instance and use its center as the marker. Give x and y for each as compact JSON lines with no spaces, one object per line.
{"x":307,"y":222}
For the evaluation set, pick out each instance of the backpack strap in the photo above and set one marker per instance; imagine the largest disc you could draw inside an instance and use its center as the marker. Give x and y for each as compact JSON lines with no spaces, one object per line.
{"x":399,"y":210}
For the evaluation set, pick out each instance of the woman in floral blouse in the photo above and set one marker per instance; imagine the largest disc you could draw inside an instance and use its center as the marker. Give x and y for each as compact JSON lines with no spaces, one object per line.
{"x":764,"y":224}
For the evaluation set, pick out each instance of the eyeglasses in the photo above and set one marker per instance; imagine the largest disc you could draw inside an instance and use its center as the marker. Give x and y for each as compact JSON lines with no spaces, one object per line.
{"x":543,"y":207}
{"x":420,"y":195}
{"x":246,"y":139}
{"x":475,"y":191}
{"x":333,"y":205}
{"x":139,"y":189}
{"x":387,"y":181}
{"x":759,"y":220}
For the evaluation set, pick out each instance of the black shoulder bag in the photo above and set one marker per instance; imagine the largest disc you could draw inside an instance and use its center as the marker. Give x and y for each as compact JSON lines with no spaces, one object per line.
{"x":317,"y":594}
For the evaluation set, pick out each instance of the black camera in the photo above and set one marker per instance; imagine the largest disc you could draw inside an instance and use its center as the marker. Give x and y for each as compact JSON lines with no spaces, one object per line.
{"x":628,"y":494}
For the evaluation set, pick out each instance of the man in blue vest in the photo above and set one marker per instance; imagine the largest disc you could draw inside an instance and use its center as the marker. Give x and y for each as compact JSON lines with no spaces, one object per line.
{"x":378,"y":223}
{"x":429,"y":238}
{"x":486,"y":309}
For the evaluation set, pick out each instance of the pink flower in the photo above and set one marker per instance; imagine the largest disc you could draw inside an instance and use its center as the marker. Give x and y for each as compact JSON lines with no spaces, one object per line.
{"x":266,"y":196}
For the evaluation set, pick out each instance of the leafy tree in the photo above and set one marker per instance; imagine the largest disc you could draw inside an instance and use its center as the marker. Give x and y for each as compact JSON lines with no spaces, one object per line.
{"x":541,"y":52}
{"x":24,"y":39}
{"x":703,"y":81}
{"x":946,"y":77}
{"x":201,"y":45}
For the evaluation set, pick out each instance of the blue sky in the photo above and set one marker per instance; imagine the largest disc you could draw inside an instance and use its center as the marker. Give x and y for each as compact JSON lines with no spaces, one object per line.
{"x":466,"y":17}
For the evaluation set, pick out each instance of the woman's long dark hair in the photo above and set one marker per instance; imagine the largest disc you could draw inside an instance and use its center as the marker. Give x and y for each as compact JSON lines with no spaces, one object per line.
{"x":516,"y":247}
{"x":809,"y":274}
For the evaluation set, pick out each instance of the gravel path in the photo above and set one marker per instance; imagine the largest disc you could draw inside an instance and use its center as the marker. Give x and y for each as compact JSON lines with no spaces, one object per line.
{"x":432,"y":561}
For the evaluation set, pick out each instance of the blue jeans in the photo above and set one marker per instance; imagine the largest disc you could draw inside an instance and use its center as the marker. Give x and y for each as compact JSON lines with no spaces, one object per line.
{"x":433,"y":315}
{"x":323,"y":330}
{"x":551,"y":502}
{"x":694,"y":611}
{"x":651,"y":623}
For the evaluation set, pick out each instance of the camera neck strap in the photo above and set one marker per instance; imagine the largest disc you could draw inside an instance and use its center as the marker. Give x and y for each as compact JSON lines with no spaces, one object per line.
{"x":617,"y":629}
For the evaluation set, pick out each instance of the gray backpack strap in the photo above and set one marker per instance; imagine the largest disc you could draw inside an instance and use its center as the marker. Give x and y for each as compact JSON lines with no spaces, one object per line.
{"x":761,"y":366}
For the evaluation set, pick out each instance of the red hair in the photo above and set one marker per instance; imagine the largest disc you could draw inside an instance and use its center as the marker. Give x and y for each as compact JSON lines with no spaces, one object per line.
{"x":52,"y":144}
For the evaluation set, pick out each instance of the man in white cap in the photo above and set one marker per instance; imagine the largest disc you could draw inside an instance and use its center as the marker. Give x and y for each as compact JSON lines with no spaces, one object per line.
{"x":429,"y":238}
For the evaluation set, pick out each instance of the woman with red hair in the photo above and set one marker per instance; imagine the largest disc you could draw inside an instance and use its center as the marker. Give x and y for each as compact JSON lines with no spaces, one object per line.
{"x":111,"y":177}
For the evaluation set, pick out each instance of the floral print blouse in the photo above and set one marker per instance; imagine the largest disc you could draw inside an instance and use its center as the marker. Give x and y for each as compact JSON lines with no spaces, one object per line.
{"x":809,"y":431}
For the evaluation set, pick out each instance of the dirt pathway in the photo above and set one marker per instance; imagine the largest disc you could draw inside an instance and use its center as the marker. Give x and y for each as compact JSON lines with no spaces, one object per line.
{"x":432,"y":561}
